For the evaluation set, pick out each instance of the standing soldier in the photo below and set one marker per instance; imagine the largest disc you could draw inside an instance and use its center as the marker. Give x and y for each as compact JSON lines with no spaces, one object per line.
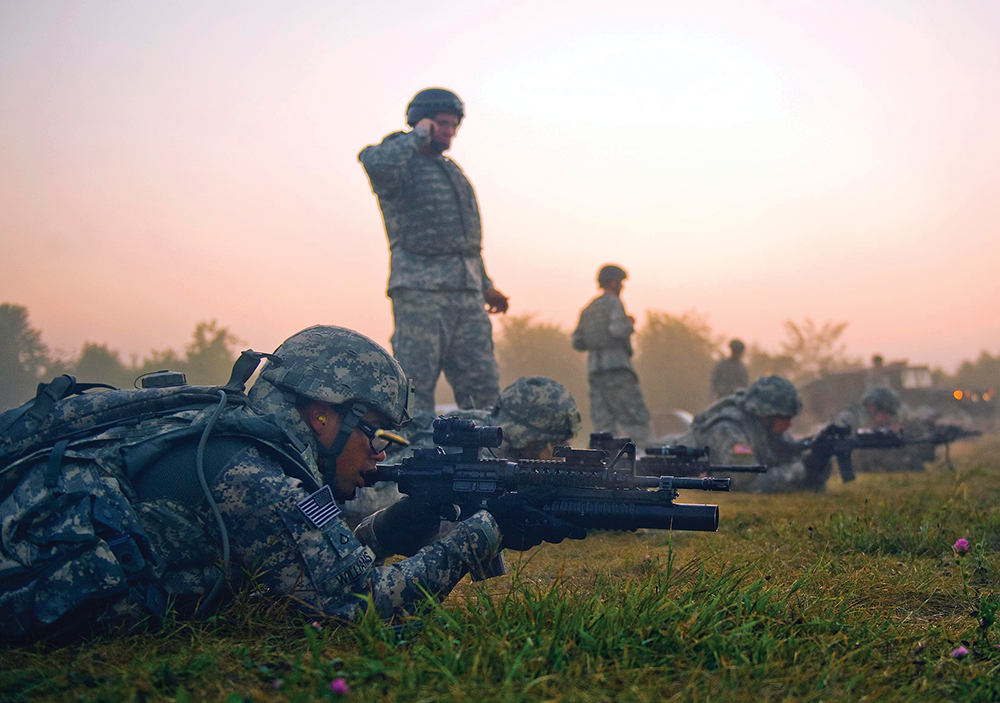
{"x":604,"y":332}
{"x":729,"y":375}
{"x":437,"y":279}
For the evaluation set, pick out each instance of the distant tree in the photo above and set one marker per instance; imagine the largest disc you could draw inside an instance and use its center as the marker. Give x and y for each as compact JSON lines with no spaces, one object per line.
{"x":210,"y":356}
{"x":674,"y":359}
{"x":24,"y":358}
{"x":160,"y":360}
{"x":816,"y":349}
{"x":526,"y":347}
{"x":99,"y":364}
{"x":983,"y":373}
{"x":762,"y":363}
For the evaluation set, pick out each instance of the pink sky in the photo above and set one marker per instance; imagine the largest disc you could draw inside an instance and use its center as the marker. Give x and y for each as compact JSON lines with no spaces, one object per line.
{"x":166,"y":163}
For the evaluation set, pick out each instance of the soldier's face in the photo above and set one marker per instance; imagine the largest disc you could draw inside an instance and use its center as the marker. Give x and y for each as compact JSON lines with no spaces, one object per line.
{"x":780,"y":425}
{"x":880,"y":418}
{"x":614,"y":287}
{"x":444,"y":130}
{"x":355,"y":460}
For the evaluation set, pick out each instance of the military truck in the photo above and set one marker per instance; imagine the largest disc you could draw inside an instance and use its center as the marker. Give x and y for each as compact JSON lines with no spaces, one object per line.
{"x":974,"y":408}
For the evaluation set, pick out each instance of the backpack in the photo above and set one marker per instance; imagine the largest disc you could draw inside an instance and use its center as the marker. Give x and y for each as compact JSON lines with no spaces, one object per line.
{"x":77,"y":550}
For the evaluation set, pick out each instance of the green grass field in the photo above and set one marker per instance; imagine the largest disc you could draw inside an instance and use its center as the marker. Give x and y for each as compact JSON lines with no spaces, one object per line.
{"x":856,"y":594}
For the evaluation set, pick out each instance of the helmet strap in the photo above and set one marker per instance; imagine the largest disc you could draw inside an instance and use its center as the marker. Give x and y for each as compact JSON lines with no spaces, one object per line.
{"x":348,"y":425}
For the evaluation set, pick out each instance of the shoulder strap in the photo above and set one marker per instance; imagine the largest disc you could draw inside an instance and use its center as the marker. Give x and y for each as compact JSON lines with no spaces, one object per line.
{"x":46,"y":396}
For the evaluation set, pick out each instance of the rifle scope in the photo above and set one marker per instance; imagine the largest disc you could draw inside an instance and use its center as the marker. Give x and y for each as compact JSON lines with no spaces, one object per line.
{"x":454,"y":432}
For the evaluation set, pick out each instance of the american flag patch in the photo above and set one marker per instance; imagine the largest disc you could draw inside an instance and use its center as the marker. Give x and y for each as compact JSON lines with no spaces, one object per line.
{"x":319,"y":508}
{"x":742,"y":449}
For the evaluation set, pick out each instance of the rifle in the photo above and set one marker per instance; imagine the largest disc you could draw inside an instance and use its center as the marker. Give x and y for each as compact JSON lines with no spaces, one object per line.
{"x":589,"y":490}
{"x":676,"y":460}
{"x":836,"y":440}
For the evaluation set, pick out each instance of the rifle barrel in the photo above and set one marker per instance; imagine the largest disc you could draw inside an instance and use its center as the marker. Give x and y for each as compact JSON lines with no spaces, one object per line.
{"x":632,"y":516}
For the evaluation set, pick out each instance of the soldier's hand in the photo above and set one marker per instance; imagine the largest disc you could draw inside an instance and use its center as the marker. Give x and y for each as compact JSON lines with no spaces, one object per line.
{"x":522,"y":523}
{"x":425,"y":126}
{"x":406,"y":526}
{"x":496,"y":301}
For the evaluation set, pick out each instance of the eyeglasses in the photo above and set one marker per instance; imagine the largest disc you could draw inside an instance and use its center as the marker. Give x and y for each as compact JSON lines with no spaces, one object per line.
{"x":379,"y":439}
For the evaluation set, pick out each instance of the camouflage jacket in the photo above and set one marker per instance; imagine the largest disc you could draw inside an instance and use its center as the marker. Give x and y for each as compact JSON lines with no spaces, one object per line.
{"x":728,"y":376}
{"x":604,"y":332}
{"x":326,"y":570}
{"x":736,"y":437}
{"x":431,"y":216}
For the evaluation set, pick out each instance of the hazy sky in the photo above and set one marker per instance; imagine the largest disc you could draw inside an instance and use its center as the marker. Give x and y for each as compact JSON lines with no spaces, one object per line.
{"x":166,"y":163}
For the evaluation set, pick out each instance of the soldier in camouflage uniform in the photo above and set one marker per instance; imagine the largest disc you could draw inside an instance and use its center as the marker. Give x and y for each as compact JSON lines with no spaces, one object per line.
{"x":729,"y":375}
{"x":750,"y":427}
{"x":331,"y":397}
{"x":437,"y":279}
{"x":605,"y":333}
{"x":881,"y":409}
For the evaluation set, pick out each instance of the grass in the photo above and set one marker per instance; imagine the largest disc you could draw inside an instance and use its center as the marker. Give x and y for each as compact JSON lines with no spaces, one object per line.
{"x":855,"y":594}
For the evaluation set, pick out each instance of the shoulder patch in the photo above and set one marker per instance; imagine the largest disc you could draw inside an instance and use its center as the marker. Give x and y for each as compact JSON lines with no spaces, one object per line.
{"x":320,"y":507}
{"x":742,"y":449}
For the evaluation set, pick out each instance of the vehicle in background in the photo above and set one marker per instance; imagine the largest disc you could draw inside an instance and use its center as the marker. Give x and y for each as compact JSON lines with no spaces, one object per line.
{"x":974,"y":408}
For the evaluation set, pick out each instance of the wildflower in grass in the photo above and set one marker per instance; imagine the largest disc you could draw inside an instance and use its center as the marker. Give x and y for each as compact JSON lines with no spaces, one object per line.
{"x":961,"y":545}
{"x":315,"y":623}
{"x":648,"y":557}
{"x":959,"y":652}
{"x":276,"y":684}
{"x":339,"y":686}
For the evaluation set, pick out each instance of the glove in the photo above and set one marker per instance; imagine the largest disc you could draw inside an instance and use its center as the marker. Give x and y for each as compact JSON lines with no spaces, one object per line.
{"x":406,"y":526}
{"x":522,"y":523}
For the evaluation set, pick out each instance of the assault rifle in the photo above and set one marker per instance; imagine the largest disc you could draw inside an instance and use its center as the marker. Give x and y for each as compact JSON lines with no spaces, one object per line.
{"x":591,"y":491}
{"x":676,"y":460}
{"x":837,"y":440}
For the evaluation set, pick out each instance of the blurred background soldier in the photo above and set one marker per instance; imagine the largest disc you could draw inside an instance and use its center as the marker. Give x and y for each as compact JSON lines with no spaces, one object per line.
{"x":729,"y":375}
{"x":876,"y":375}
{"x":883,"y":409}
{"x":604,"y":332}
{"x":879,"y":409}
{"x":536,"y":414}
{"x":437,"y":279}
{"x":751,"y":427}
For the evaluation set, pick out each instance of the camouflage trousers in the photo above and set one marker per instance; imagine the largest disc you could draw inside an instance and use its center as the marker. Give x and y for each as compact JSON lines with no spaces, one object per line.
{"x":616,"y":402}
{"x":446,"y":331}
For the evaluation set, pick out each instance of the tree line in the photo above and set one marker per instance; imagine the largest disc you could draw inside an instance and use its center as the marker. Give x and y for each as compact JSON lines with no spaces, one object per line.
{"x":25,"y":360}
{"x":674,"y":359}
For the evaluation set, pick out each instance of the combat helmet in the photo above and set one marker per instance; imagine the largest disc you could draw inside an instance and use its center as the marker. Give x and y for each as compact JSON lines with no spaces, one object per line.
{"x":772,"y":396}
{"x":341,"y":367}
{"x":536,"y":409}
{"x":609,"y":273}
{"x":883,"y":398}
{"x":432,"y":101}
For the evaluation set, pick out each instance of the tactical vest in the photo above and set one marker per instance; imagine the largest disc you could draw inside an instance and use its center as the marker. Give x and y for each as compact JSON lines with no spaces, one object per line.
{"x":437,"y":210}
{"x":92,"y":483}
{"x":593,"y":331}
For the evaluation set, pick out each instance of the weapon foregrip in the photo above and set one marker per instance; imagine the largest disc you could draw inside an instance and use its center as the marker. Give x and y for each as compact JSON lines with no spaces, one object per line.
{"x":845,"y":466}
{"x":600,"y":515}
